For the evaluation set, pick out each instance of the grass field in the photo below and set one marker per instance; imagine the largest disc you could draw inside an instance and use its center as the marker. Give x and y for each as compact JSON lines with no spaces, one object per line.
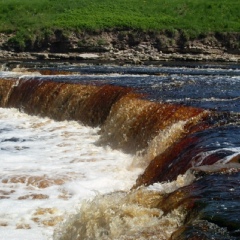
{"x":32,"y":17}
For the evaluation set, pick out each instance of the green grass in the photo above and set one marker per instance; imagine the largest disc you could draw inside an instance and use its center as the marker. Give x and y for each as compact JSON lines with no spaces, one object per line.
{"x":28,"y":18}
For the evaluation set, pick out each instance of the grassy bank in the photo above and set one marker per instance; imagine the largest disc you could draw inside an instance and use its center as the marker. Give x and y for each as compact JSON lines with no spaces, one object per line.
{"x":195,"y":15}
{"x":28,"y":18}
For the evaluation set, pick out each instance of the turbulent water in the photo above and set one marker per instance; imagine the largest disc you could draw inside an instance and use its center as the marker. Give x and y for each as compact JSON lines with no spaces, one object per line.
{"x":119,"y":152}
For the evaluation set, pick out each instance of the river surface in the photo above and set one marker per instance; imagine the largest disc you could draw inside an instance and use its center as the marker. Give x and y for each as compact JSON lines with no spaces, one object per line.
{"x":51,"y":167}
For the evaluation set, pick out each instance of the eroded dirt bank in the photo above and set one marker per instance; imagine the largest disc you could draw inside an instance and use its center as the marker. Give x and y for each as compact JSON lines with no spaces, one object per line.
{"x":125,"y":46}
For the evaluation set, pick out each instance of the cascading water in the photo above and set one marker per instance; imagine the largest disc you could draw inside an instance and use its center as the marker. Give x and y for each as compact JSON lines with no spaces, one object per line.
{"x":175,"y":132}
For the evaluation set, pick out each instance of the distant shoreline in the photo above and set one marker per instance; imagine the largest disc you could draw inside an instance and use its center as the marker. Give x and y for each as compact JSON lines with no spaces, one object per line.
{"x":126,"y":47}
{"x":123,"y":59}
{"x":99,"y":58}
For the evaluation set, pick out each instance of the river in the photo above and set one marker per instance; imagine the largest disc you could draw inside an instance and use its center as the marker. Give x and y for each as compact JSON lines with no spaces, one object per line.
{"x":119,"y":152}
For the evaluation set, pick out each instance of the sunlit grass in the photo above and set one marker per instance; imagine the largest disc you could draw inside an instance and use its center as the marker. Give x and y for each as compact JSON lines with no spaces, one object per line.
{"x":28,"y":18}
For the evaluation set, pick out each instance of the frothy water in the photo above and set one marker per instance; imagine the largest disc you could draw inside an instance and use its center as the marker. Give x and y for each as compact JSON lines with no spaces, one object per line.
{"x":126,"y":215}
{"x":48,"y":168}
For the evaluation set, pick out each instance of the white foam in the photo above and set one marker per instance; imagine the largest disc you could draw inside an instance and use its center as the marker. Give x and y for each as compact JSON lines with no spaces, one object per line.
{"x":57,"y":162}
{"x":168,"y":187}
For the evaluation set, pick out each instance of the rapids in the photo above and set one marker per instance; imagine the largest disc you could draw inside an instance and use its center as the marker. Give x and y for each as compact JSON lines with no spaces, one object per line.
{"x":119,"y":152}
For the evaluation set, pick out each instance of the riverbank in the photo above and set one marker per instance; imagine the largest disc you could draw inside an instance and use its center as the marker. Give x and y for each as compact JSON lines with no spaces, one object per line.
{"x":126,"y":47}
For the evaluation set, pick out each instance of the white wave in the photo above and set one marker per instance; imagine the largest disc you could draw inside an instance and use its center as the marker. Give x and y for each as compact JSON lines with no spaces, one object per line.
{"x":48,"y":168}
